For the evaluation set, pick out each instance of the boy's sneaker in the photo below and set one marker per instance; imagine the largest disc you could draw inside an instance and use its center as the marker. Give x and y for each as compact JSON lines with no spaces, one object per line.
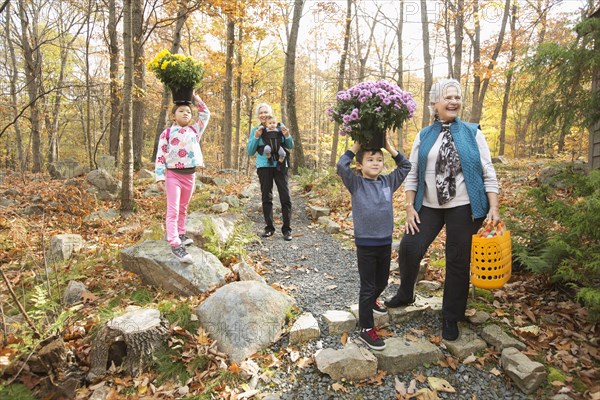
{"x":379,"y":309}
{"x":372,"y":339}
{"x":185,"y":241}
{"x":181,"y":254}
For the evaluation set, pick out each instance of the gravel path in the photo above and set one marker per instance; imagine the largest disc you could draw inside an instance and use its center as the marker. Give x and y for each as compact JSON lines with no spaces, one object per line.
{"x":320,"y":272}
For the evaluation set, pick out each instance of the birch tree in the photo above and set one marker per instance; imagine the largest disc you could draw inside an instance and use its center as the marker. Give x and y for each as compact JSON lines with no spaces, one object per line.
{"x":127,"y":198}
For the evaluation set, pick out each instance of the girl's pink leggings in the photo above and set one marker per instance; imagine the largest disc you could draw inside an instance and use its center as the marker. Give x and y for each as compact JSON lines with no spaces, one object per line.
{"x":179,"y":189}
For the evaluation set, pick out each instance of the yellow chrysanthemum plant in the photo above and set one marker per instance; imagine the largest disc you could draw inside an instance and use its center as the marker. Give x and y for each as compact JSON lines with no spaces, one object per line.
{"x":179,"y":73}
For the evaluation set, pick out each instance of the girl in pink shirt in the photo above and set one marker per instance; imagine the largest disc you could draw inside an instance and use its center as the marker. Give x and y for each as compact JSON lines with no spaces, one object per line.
{"x":178,"y":155}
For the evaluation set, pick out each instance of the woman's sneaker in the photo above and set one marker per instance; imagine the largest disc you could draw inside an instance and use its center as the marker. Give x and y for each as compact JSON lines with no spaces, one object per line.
{"x":379,"y":309}
{"x":185,"y":241}
{"x":372,"y":339}
{"x":182,"y":255}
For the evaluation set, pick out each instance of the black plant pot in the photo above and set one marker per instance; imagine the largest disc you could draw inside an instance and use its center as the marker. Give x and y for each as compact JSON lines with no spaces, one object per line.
{"x":183,"y":95}
{"x":377,"y":140}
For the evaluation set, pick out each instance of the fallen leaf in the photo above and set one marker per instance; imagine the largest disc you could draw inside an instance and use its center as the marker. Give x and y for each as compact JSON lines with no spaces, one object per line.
{"x":494,"y":371}
{"x":399,"y":386}
{"x":451,"y":362}
{"x":411,"y":338}
{"x":330,"y":287}
{"x":440,"y":385}
{"x":294,"y":356}
{"x":425,"y":394}
{"x":470,"y":359}
{"x":412,"y":386}
{"x":234,"y":368}
{"x":339,"y":388}
{"x":344,"y":338}
{"x":377,"y":379}
{"x":420,"y":377}
{"x":304,"y":362}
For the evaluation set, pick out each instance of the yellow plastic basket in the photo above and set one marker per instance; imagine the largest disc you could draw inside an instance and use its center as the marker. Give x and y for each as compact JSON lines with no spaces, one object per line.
{"x":491,"y":261}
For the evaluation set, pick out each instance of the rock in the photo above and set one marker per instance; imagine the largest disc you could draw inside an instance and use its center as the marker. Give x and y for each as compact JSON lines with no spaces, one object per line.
{"x":271,"y":396}
{"x":304,"y":329}
{"x":220,"y":208}
{"x":467,"y":343}
{"x":339,"y":321}
{"x":152,"y":191}
{"x":317,"y":211}
{"x":98,"y":217}
{"x":154,"y":262}
{"x":430,"y":286}
{"x":561,"y":396}
{"x":100,"y":393}
{"x":106,"y":162}
{"x":528,"y":375}
{"x":146,"y":174}
{"x":422,"y":305}
{"x":500,"y":160}
{"x":402,"y":355}
{"x":62,"y":246}
{"x":244,"y":317}
{"x":33,"y":210}
{"x":218,"y":181}
{"x":65,"y":169}
{"x":246,"y":272}
{"x":479,"y":317}
{"x":232,"y":200}
{"x":202,"y":227}
{"x":380,"y":320}
{"x":350,"y":363}
{"x":73,"y":293}
{"x":495,"y":336}
{"x":332,"y":227}
{"x":103,"y":184}
{"x":4,"y":202}
{"x":250,"y":190}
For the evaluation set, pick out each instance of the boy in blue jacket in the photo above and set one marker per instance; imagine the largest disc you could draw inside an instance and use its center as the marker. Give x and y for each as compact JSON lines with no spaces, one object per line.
{"x":373,"y":216}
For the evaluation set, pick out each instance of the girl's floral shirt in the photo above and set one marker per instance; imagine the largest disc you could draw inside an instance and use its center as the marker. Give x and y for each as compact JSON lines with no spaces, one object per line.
{"x":179,"y":146}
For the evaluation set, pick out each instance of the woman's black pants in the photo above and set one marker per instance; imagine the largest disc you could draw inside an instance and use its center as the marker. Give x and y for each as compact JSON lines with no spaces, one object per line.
{"x":460,"y":226}
{"x":266,"y":176}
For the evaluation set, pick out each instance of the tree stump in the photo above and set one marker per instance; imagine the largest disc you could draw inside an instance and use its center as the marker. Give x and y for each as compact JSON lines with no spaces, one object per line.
{"x":129,"y":341}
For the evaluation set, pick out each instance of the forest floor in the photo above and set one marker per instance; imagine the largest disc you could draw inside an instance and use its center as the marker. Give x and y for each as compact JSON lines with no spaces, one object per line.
{"x":557,"y":330}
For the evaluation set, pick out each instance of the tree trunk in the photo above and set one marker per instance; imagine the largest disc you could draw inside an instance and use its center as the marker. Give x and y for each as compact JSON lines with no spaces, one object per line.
{"x":139,"y":83}
{"x":509,"y":75}
{"x":129,"y":340}
{"x":478,"y":101}
{"x":427,"y":65}
{"x":290,"y":77}
{"x":33,"y":77}
{"x":238,"y":98}
{"x":459,"y":27}
{"x":182,"y":15}
{"x":447,"y":16}
{"x":114,"y":140}
{"x":227,"y":92}
{"x":14,"y":77}
{"x":340,"y":79}
{"x":363,"y":60}
{"x":88,"y":92}
{"x":127,"y":198}
{"x":400,"y":80}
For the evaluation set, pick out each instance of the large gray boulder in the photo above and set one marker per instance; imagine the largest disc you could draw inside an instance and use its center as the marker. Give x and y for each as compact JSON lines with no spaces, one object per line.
{"x":199,"y":226}
{"x":153,"y":261}
{"x":244,"y":317}
{"x":104,"y":186}
{"x":65,"y":169}
{"x":63,"y":246}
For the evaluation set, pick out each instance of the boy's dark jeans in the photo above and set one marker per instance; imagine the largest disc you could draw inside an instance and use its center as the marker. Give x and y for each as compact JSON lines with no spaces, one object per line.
{"x":374,"y":271}
{"x":460,"y":226}
{"x":266,"y":176}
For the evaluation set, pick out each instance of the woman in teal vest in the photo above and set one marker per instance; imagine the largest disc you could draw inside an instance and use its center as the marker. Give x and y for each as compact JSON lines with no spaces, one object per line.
{"x":269,"y":172}
{"x":452,"y":183}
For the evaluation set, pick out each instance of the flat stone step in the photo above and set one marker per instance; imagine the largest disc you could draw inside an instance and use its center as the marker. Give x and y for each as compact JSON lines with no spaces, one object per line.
{"x":402,"y":355}
{"x":421,"y":306}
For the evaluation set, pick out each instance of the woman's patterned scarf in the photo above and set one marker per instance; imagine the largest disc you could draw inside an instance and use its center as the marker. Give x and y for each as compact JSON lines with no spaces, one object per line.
{"x":447,"y":166}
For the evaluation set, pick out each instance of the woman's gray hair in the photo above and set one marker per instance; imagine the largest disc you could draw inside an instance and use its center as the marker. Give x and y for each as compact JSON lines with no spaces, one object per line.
{"x":439,"y":88}
{"x":261,"y":105}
